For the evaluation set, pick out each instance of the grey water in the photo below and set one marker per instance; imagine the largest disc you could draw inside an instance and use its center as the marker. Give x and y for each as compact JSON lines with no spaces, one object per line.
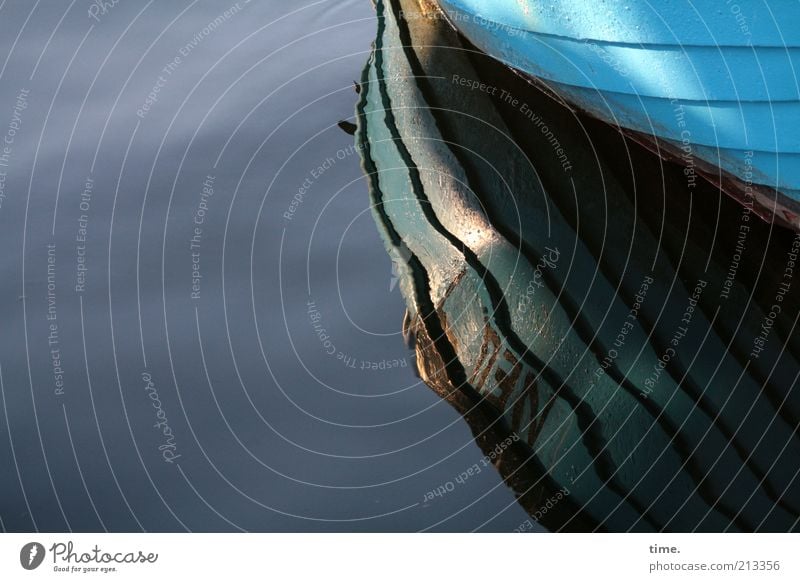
{"x":200,"y":325}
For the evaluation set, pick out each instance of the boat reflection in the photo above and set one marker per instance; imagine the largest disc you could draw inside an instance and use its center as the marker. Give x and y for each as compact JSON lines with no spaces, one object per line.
{"x":568,"y":293}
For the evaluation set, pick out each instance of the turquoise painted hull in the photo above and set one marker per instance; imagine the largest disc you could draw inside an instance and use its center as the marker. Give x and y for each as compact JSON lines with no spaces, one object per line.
{"x":714,"y":83}
{"x":549,"y":309}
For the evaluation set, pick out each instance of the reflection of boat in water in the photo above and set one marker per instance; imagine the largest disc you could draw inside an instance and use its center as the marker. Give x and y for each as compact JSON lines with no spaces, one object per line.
{"x":623,"y":344}
{"x":716,"y":83}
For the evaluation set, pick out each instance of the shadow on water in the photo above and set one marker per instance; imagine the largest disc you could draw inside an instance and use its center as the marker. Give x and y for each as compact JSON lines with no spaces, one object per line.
{"x":618,"y":336}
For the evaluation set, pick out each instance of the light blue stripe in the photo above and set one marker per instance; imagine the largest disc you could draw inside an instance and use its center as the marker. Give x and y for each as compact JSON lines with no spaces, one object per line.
{"x":681,"y":22}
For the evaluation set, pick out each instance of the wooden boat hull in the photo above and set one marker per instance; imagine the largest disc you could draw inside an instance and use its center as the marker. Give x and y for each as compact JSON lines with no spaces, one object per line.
{"x":717,"y":83}
{"x":605,"y":350}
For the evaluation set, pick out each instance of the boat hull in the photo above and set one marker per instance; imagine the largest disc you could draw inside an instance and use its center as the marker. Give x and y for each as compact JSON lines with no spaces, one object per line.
{"x":727,"y":100}
{"x":604,"y":353}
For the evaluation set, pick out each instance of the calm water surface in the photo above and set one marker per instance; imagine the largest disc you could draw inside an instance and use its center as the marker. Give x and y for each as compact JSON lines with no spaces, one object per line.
{"x":200,"y":324}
